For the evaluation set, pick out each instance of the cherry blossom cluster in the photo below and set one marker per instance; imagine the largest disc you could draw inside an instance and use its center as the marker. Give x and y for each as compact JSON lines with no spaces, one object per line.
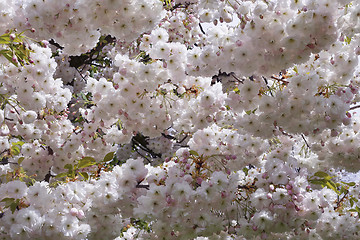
{"x":172,"y":119}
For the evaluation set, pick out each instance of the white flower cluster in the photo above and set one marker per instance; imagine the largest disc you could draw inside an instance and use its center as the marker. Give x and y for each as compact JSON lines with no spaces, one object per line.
{"x":76,"y":210}
{"x":68,"y":22}
{"x":243,"y":112}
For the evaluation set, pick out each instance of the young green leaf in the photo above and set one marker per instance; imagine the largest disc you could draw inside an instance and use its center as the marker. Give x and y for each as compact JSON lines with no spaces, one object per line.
{"x":86,"y":162}
{"x":109,"y":156}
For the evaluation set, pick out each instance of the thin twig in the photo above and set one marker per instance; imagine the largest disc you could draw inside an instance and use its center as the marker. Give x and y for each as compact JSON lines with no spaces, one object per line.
{"x":302,"y":135}
{"x":267,"y":84}
{"x":202,"y":30}
{"x":354,"y":107}
{"x":142,"y":155}
{"x":147,"y":186}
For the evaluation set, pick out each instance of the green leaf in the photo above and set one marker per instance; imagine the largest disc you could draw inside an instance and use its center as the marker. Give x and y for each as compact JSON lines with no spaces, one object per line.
{"x":351,"y":202}
{"x":60,"y":175}
{"x":13,"y":207}
{"x":86,"y":162}
{"x":109,"y":156}
{"x":8,"y":201}
{"x":321,"y":182}
{"x":245,"y":170}
{"x":332,"y":185}
{"x":20,"y":160}
{"x":321,"y":174}
{"x":296,"y":69}
{"x":5,"y":39}
{"x":192,"y":152}
{"x":357,"y":209}
{"x":68,"y":166}
{"x":351,"y":184}
{"x":8,"y":55}
{"x":15,"y":150}
{"x":83,"y":96}
{"x":20,"y":143}
{"x":84,"y":175}
{"x":343,"y":190}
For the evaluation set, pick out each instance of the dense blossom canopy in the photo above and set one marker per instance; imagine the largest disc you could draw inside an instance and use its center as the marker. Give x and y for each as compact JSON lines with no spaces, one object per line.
{"x":179,"y":119}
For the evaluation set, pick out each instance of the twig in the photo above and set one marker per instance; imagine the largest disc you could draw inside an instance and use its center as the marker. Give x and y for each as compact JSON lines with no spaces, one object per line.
{"x":279,"y":79}
{"x":143,"y":186}
{"x":302,"y":135}
{"x":142,"y":155}
{"x":338,"y":204}
{"x":267,"y":84}
{"x":202,"y":30}
{"x":354,"y":107}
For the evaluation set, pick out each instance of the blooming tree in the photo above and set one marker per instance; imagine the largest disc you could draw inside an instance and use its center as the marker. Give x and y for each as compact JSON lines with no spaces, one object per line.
{"x":179,"y":119}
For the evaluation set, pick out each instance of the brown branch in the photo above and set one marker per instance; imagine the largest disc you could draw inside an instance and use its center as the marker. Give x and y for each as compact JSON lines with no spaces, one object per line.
{"x":354,"y":107}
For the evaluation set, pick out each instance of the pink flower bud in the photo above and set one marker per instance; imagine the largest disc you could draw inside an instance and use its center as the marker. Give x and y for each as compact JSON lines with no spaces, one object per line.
{"x":15,"y":59}
{"x":44,"y":43}
{"x":74,"y":212}
{"x":81,"y":214}
{"x":12,"y":36}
